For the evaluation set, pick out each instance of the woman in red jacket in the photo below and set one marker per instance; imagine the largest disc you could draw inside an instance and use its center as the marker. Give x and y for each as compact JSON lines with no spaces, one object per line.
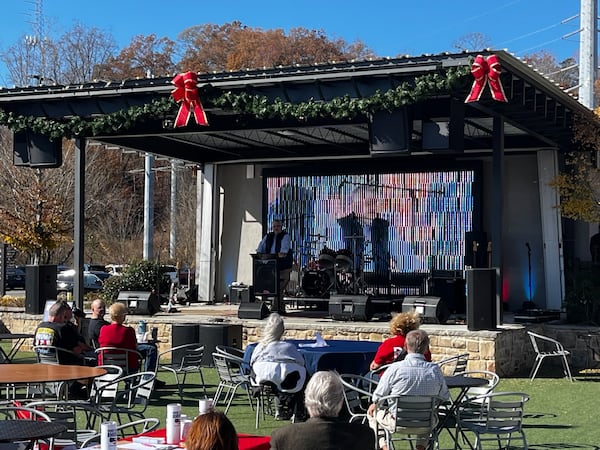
{"x":117,"y":335}
{"x":392,"y":349}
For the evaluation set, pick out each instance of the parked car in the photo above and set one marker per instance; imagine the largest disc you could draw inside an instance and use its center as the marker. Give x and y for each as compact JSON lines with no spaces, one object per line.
{"x":15,"y":278}
{"x":115,"y":269}
{"x":65,"y":281}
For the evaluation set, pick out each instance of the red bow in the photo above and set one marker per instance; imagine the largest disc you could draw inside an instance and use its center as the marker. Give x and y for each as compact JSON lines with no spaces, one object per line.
{"x":486,"y":71}
{"x":186,"y":92}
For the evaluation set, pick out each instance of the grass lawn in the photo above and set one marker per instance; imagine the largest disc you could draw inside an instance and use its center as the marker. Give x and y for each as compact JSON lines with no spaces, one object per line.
{"x":559,"y":415}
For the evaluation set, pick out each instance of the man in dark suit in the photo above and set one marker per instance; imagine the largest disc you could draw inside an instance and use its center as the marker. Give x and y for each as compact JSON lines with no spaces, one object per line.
{"x":324,"y":397}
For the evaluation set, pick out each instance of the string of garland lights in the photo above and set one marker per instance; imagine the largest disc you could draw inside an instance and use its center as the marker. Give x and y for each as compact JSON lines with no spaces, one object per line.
{"x":346,"y":107}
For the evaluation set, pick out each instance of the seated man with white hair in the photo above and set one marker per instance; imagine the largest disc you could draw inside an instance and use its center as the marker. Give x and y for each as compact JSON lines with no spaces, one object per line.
{"x":323,"y":398}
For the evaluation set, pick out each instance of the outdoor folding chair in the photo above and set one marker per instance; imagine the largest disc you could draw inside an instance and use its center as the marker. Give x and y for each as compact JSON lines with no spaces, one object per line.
{"x":132,"y":396}
{"x":499,"y":414}
{"x":116,"y":356}
{"x":140,"y":426}
{"x":357,"y":395}
{"x":454,"y":365}
{"x":415,"y":419}
{"x":492,"y":378}
{"x":546,"y":347}
{"x":231,"y":377}
{"x":50,"y":354}
{"x":68,"y":413}
{"x":184,"y":359}
{"x":14,"y":412}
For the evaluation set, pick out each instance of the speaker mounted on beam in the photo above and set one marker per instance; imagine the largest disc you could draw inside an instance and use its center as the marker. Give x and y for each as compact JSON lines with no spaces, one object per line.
{"x":36,"y":150}
{"x":390,"y":132}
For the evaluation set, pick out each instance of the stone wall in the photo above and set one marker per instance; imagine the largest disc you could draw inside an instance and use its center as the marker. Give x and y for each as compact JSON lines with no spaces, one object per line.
{"x":507,"y":351}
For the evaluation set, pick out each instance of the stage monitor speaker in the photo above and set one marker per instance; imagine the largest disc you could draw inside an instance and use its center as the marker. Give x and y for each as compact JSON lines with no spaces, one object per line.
{"x":350,"y":307}
{"x":36,"y":150}
{"x":265,"y":277}
{"x":181,"y":334}
{"x":431,"y":309}
{"x":40,"y":286}
{"x":254,"y":310}
{"x":482,"y":307}
{"x":390,"y":132}
{"x":211,"y":335}
{"x":140,"y":302}
{"x":241,"y":294}
{"x":476,"y":249}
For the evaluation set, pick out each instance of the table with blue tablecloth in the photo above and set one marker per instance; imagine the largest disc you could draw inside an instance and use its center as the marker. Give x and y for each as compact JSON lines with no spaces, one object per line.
{"x":342,"y":355}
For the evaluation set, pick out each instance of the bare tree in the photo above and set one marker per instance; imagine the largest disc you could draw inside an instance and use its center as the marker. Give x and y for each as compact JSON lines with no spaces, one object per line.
{"x":472,"y":42}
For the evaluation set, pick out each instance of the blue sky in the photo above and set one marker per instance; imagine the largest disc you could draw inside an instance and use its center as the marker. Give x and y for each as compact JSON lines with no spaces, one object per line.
{"x":389,"y":27}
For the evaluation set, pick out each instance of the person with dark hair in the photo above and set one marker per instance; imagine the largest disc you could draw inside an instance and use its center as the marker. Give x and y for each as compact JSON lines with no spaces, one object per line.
{"x":281,"y":364}
{"x":411,"y":376}
{"x":392,"y":349}
{"x":278,"y":242}
{"x":324,"y":398}
{"x":212,"y":431}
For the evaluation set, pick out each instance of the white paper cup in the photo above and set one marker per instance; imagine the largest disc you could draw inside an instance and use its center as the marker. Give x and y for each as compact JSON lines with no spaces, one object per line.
{"x":108,"y":436}
{"x":205,"y":405}
{"x":186,"y":424}
{"x":173,"y":423}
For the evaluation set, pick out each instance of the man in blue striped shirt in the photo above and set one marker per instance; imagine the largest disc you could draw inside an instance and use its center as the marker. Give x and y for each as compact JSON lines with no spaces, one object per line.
{"x":411,"y":376}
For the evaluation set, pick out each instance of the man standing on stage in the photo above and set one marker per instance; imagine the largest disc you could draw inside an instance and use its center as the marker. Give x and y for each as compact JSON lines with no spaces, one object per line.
{"x":278,"y":242}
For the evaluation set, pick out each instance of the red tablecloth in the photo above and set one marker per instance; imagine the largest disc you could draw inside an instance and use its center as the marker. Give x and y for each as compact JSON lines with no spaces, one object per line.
{"x":246,"y":441}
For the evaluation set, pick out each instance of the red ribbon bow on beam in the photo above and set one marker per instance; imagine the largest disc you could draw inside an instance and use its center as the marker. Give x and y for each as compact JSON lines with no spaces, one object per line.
{"x":186,"y":92}
{"x":486,"y":71}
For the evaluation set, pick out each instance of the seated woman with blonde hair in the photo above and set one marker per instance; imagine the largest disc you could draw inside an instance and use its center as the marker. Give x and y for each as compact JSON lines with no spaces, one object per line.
{"x":118,"y":335}
{"x":212,"y":431}
{"x":392,"y":349}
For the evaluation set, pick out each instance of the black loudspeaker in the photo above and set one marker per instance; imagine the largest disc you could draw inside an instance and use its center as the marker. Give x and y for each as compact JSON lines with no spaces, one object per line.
{"x":481,"y":299}
{"x":431,"y":309}
{"x":140,"y":302}
{"x":350,"y":307}
{"x":452,"y":292}
{"x":265,"y":276}
{"x":36,"y":150}
{"x":476,"y":249}
{"x":254,"y":310}
{"x":390,"y":132}
{"x":181,"y":334}
{"x":211,"y":335}
{"x":241,"y":294}
{"x":40,"y":286}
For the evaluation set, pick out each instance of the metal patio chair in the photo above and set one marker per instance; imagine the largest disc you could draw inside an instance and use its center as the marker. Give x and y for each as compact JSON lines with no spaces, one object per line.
{"x":546,"y":347}
{"x":184,"y":360}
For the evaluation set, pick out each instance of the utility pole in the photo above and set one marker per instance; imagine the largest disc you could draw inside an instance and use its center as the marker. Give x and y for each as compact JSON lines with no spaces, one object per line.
{"x":588,"y":51}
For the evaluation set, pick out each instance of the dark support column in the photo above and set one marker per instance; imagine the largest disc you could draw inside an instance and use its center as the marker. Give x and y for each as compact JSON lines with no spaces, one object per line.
{"x":497,"y":201}
{"x":78,"y":231}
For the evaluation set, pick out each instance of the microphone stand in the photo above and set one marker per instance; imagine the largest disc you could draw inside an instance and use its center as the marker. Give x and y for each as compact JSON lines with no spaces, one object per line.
{"x":529,"y":303}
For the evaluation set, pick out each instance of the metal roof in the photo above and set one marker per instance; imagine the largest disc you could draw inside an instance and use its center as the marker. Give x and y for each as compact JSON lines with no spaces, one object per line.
{"x":538,"y":113}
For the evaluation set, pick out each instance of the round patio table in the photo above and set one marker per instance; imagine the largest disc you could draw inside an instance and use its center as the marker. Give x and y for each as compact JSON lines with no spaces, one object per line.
{"x":46,"y":373}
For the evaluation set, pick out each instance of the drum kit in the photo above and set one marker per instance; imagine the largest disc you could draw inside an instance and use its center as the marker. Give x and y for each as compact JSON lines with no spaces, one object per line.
{"x":331,"y":271}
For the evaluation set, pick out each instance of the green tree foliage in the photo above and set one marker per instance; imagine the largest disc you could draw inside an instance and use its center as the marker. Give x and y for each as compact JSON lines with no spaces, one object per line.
{"x":138,"y":276}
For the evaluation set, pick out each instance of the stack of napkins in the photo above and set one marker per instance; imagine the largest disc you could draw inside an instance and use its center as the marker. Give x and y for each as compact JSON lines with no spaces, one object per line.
{"x":319,"y":342}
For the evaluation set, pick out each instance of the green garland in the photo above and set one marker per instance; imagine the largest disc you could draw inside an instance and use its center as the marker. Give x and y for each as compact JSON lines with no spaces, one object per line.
{"x":340,"y":108}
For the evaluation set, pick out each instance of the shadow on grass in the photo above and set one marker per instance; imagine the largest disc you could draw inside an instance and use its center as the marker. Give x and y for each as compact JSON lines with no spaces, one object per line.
{"x":562,"y":446}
